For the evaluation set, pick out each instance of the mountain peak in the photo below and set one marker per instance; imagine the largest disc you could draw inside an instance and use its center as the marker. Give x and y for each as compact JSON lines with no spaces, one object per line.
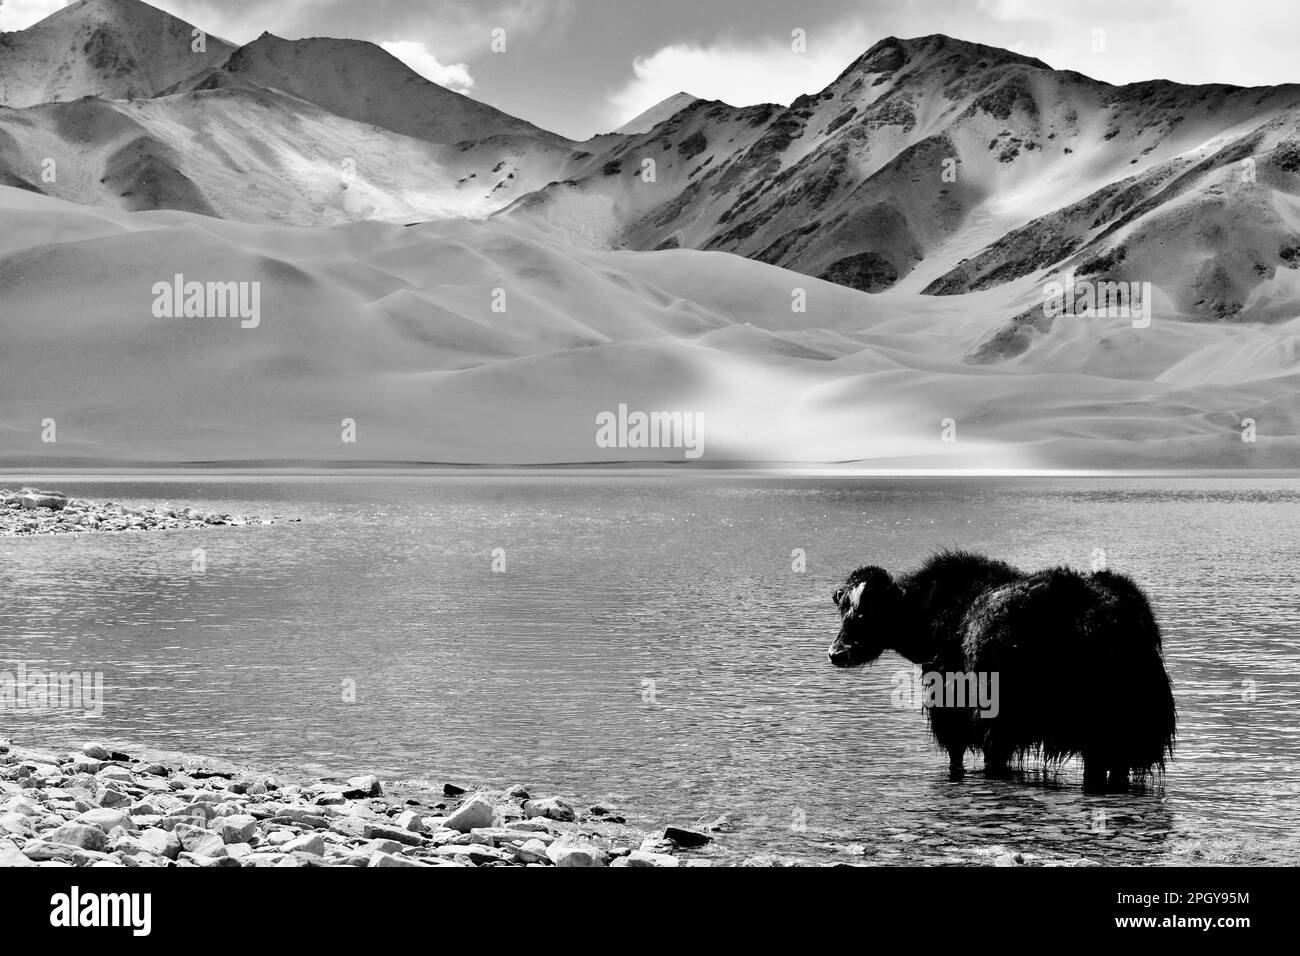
{"x":123,"y":13}
{"x":893,"y":53}
{"x":116,"y":49}
{"x":663,"y":110}
{"x":361,"y":81}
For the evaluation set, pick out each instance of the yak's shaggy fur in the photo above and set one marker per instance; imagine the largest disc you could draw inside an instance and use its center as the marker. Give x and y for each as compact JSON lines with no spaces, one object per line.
{"x":1078,"y":660}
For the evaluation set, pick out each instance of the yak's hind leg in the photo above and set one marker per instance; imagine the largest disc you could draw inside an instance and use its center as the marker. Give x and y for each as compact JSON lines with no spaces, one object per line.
{"x":1117,"y":779}
{"x":1094,"y":774}
{"x":997,"y":763}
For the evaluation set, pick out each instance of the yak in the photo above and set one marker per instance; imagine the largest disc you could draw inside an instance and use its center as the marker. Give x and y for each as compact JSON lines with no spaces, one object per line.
{"x":1076,"y":659}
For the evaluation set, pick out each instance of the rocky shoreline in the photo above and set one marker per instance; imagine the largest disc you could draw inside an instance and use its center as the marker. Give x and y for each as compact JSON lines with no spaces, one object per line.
{"x":102,"y":807}
{"x":31,"y":511}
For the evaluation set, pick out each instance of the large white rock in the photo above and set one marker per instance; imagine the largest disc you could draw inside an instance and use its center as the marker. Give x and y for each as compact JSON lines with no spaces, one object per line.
{"x":27,"y":808}
{"x":10,"y":855}
{"x":199,"y":842}
{"x":367,"y":786}
{"x":498,"y":836}
{"x":474,"y":813}
{"x":113,"y":797}
{"x":388,"y":859}
{"x":15,"y":824}
{"x":236,"y":829}
{"x":160,"y":843}
{"x":642,"y":858}
{"x":410,"y":820}
{"x":532,"y":851}
{"x":79,"y":835}
{"x":350,"y":826}
{"x":312,"y":843}
{"x":105,"y":818}
{"x":380,"y":831}
{"x":576,"y":854}
{"x":43,"y":499}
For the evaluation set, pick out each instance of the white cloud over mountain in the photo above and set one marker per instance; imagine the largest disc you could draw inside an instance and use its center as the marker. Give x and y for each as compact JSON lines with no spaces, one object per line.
{"x":739,"y":73}
{"x":454,"y":76}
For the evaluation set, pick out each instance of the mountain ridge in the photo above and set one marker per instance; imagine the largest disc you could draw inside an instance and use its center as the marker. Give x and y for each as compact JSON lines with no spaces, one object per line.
{"x":918,"y":207}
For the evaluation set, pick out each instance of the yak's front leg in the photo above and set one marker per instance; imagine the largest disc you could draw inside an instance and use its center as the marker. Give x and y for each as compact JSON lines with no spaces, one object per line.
{"x":1117,"y":779}
{"x":956,"y":764}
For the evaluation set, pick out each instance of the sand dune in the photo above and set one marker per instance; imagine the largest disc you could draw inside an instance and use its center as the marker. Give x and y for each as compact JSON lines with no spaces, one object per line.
{"x":394,"y":327}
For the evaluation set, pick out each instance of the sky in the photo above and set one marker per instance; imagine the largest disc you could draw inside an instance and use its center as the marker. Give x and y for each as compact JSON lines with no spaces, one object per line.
{"x":580,"y":67}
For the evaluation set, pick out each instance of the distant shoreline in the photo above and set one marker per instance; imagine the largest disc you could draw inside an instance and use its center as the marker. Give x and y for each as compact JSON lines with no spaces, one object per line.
{"x":29,"y":512}
{"x":51,"y":472}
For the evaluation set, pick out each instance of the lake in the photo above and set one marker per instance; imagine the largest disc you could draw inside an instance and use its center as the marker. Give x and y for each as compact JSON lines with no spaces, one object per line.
{"x":650,"y":642}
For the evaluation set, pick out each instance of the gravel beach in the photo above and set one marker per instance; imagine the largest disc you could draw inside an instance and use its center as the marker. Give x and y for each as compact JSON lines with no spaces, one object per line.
{"x":30,"y":511}
{"x":102,"y":807}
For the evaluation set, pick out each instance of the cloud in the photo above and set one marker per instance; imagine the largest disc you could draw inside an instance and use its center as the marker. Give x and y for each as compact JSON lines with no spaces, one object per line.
{"x":20,"y":14}
{"x":454,"y":76}
{"x":740,"y":74}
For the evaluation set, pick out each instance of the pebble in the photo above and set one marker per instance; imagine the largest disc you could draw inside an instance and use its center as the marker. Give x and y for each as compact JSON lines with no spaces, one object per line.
{"x":98,"y":806}
{"x":552,"y":808}
{"x":31,"y":511}
{"x":531,"y":851}
{"x":642,"y":858}
{"x":686,"y":838}
{"x":379,"y":831}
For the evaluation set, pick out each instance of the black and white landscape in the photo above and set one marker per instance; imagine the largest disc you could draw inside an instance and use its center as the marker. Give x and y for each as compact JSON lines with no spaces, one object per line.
{"x":389,"y":480}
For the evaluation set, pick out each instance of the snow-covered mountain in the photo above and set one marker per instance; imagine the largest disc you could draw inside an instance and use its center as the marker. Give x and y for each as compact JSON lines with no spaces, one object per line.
{"x":309,"y":132}
{"x":943,"y":166}
{"x":118,"y":49}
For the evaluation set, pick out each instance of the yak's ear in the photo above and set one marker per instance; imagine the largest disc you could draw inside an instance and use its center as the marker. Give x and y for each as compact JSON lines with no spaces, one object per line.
{"x":837,"y":596}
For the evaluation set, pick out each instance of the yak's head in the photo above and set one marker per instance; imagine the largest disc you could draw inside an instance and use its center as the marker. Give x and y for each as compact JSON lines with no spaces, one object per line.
{"x":871,"y":606}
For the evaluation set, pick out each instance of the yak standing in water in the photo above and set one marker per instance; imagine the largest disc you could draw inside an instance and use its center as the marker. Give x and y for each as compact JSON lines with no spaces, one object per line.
{"x":1076,"y":656}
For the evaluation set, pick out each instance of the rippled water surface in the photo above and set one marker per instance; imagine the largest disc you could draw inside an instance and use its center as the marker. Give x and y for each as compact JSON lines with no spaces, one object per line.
{"x":539,"y":674}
